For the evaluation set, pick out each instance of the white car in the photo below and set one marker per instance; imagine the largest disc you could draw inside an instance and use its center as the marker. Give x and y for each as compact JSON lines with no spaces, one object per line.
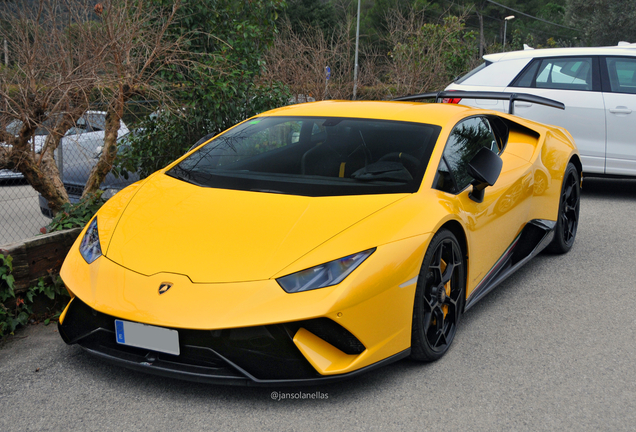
{"x":597,"y":86}
{"x":82,"y":142}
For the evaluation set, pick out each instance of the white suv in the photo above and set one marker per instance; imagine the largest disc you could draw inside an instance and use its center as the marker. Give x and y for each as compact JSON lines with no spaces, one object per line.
{"x":597,"y":86}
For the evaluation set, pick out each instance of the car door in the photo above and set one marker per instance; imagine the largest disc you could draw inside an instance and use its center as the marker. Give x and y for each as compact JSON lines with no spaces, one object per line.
{"x":494,"y":223}
{"x":576,"y":82}
{"x":619,"y":95}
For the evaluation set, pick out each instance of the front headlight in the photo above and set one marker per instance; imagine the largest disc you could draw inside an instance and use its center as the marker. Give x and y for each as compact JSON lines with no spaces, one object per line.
{"x":90,"y":247}
{"x":323,"y":275}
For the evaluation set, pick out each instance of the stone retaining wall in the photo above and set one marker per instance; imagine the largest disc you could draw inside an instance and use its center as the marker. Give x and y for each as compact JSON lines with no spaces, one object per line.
{"x":39,"y":256}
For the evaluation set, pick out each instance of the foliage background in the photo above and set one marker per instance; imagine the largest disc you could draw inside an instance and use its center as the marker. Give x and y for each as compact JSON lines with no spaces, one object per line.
{"x":223,"y":87}
{"x":244,"y":57}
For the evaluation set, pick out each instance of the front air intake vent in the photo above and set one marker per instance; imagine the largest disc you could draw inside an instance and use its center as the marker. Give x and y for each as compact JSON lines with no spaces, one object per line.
{"x":332,"y":333}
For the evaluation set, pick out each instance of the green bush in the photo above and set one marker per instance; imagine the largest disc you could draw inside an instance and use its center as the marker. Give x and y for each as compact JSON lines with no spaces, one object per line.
{"x":76,"y":215}
{"x":223,"y":86}
{"x":7,"y":281}
{"x":16,"y":311}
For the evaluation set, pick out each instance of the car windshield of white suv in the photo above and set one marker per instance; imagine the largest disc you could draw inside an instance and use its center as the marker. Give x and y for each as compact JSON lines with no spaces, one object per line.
{"x":314,"y":156}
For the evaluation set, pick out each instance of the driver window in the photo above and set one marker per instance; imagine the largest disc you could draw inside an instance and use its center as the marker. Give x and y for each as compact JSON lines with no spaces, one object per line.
{"x":465,"y":140}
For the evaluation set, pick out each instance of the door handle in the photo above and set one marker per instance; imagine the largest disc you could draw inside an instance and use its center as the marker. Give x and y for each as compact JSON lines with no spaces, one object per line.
{"x":522,"y":104}
{"x":620,"y":110}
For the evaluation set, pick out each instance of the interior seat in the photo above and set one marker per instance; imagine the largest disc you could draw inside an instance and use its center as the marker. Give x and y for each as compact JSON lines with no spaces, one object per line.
{"x":339,"y":156}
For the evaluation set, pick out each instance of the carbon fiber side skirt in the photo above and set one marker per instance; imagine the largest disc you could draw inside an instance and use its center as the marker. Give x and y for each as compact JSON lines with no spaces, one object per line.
{"x":535,"y":236}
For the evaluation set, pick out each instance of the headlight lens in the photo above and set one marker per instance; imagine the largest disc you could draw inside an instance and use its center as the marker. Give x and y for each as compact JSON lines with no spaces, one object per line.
{"x":90,"y":247}
{"x":323,"y":275}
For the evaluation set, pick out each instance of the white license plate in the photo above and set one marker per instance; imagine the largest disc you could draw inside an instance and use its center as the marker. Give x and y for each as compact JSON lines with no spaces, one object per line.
{"x":146,"y":336}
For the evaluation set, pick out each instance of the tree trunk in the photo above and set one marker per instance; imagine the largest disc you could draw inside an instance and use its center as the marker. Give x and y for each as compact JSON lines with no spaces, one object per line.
{"x":40,"y":170}
{"x":44,"y":177}
{"x":109,"y":152}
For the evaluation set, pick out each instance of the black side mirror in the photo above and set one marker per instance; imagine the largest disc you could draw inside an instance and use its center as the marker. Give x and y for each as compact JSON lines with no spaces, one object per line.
{"x":485,"y":168}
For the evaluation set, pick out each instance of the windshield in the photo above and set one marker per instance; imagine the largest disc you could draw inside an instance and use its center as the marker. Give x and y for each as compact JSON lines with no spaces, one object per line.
{"x":314,"y":156}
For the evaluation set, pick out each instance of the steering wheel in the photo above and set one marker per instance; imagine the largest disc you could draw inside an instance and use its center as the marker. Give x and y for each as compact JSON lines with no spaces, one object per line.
{"x":410,"y":162}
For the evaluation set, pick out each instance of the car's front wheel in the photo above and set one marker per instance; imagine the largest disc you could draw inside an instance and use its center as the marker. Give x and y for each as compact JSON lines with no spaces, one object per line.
{"x":439,"y":298}
{"x":569,"y":206}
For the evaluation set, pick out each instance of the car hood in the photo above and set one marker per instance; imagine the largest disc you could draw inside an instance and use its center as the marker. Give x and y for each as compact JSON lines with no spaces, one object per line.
{"x":219,"y":235}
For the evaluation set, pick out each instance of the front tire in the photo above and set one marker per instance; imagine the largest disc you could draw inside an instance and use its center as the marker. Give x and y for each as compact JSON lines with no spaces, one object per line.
{"x":439,"y":298}
{"x":569,"y":206}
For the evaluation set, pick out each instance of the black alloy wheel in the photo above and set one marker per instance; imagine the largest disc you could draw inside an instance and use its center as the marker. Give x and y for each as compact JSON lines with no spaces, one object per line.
{"x":439,"y":298}
{"x":569,"y":206}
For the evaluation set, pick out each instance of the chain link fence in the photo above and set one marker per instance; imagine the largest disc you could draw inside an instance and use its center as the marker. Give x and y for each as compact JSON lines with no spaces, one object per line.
{"x":23,"y":212}
{"x":20,"y":215}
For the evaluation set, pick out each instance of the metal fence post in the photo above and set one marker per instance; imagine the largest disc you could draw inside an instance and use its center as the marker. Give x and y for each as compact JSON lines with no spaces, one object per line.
{"x":60,"y":161}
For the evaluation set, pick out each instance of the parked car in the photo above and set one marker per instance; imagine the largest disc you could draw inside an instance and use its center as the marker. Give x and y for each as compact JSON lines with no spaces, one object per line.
{"x":37,"y":141}
{"x":82,"y":142}
{"x":75,"y":178}
{"x":9,"y":175}
{"x":319,"y":241}
{"x":597,"y":85}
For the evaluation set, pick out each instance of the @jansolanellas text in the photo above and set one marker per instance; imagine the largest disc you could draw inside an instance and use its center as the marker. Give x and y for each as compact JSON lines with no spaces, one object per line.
{"x":279,"y":396}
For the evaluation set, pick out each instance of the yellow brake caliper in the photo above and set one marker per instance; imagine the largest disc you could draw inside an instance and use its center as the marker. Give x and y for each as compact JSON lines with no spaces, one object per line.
{"x":447,"y":288}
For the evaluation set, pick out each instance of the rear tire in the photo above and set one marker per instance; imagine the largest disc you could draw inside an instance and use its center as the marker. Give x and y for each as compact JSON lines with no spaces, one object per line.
{"x":439,"y":298}
{"x":568,"y":219}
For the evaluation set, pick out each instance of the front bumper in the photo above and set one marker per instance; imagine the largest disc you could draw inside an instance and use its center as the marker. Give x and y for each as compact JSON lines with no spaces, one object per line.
{"x":252,"y":356}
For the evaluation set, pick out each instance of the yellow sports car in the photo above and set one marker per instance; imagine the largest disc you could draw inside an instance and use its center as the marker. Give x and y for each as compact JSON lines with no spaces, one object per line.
{"x":319,"y":241}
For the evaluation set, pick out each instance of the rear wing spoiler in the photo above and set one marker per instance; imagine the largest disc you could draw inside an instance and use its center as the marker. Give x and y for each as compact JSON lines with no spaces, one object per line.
{"x":511,"y":97}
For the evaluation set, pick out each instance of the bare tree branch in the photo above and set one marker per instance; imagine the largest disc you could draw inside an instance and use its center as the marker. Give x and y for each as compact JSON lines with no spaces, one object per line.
{"x":69,"y":56}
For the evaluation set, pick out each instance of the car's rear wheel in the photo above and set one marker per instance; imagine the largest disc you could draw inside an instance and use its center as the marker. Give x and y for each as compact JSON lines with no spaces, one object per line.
{"x":439,"y":298}
{"x":569,"y":206}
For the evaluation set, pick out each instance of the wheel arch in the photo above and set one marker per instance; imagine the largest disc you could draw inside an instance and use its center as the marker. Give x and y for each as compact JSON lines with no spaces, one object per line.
{"x":576,"y":160}
{"x":458,"y":231}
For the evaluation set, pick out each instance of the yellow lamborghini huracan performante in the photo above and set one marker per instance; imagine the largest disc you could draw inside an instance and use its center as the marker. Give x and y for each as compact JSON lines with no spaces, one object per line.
{"x":316,"y":242}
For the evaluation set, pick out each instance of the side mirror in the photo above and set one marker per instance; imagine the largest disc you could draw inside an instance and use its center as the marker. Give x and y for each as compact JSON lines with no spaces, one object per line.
{"x":485,"y":168}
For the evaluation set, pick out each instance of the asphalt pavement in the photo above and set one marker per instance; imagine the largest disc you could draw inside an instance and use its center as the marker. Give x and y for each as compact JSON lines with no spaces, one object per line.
{"x":552,"y":348}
